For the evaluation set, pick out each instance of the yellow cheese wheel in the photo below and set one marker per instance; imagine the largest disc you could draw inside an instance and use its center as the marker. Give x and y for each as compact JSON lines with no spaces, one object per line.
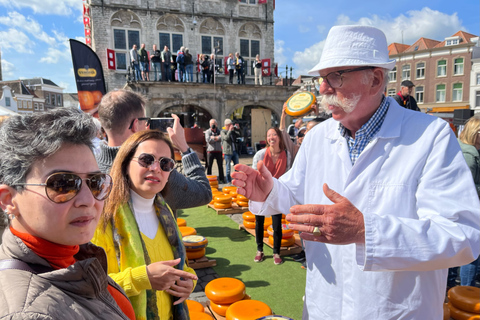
{"x":241,"y":197}
{"x":286,"y":233}
{"x":248,"y":216}
{"x":181,"y":222}
{"x":446,"y":312}
{"x":458,"y":314}
{"x":225,"y":290}
{"x":195,"y":315}
{"x":249,"y":224}
{"x":197,"y":254}
{"x":248,"y":310}
{"x":195,"y":242}
{"x":242,"y":203}
{"x":300,"y":103}
{"x":228,"y":189}
{"x":195,"y":306}
{"x":187,"y":231}
{"x":465,"y":298}
{"x":223,"y":199}
{"x":285,"y":242}
{"x":218,"y":205}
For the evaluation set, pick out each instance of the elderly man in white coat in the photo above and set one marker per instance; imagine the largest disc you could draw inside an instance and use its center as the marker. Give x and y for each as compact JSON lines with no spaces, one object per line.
{"x":398,"y":205}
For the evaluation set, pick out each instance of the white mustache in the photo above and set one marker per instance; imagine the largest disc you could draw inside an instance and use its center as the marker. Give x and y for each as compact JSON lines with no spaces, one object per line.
{"x":347,"y":104}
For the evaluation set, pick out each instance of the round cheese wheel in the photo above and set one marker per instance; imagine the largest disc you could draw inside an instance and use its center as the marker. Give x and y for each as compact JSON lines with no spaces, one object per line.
{"x":248,"y":216}
{"x":220,"y":309}
{"x":225,"y":290}
{"x":249,"y":224}
{"x":275,"y":317}
{"x":242,"y":203}
{"x":187,"y":231}
{"x":223,"y":199}
{"x":265,"y":234}
{"x":446,"y":312}
{"x":195,"y":306}
{"x":212,"y":178}
{"x":458,"y":314}
{"x":300,"y":103}
{"x":195,"y":242}
{"x":286,"y":233}
{"x":215,"y":193}
{"x":233,"y":192}
{"x":195,"y":315}
{"x":247,"y":309}
{"x":218,"y":205}
{"x":241,"y":197}
{"x":228,"y":189}
{"x":181,"y":222}
{"x":213,"y":184}
{"x":285,"y":242}
{"x":197,"y":254}
{"x":465,"y":298}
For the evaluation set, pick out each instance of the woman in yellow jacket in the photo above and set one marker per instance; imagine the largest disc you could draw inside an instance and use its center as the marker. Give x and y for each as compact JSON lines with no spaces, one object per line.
{"x":139,"y":233}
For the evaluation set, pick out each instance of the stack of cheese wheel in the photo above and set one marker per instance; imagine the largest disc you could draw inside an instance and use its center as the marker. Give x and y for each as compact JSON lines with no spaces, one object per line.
{"x":215,"y":192}
{"x":446,"y":312}
{"x":194,"y":306}
{"x":187,"y":231}
{"x":248,"y":220}
{"x":248,"y":310}
{"x":228,"y":189}
{"x":464,"y":303}
{"x":195,"y":246}
{"x":222,"y":292}
{"x":195,"y":315}
{"x":288,"y":238}
{"x":181,"y":222}
{"x":242,"y":201}
{"x":212,"y":180}
{"x":222,"y":202}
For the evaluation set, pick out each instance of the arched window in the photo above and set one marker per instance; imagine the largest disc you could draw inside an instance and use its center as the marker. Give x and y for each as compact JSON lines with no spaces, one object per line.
{"x":170,"y":32}
{"x":250,"y":37}
{"x":126,"y":28}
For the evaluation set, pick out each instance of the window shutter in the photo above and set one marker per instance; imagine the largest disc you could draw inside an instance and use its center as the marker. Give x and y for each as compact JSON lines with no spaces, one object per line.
{"x":111,"y":59}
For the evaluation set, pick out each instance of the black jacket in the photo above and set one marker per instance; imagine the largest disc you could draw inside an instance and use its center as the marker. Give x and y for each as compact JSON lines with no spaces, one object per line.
{"x":408,"y":103}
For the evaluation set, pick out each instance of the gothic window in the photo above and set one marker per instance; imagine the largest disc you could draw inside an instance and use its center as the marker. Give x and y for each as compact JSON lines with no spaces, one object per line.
{"x":126,"y":27}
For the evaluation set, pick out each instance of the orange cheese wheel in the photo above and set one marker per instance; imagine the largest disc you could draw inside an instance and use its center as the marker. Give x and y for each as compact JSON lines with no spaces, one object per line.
{"x":228,"y":189}
{"x":187,"y":231}
{"x":285,"y":242}
{"x":195,"y":315}
{"x":465,"y":298}
{"x":265,"y":234}
{"x":212,"y":202}
{"x":458,"y":314}
{"x":218,"y":205}
{"x":225,"y":290}
{"x":286,"y":233}
{"x":214,"y":185}
{"x":195,"y":306}
{"x":220,"y":309}
{"x":223,"y":199}
{"x":215,"y":193}
{"x":267,"y":223}
{"x":249,"y":224}
{"x":181,"y":222}
{"x":197,"y":254}
{"x":212,"y":178}
{"x":195,"y":242}
{"x":242,"y":203}
{"x":241,"y":197}
{"x":248,"y":216}
{"x":446,"y":312}
{"x":248,"y":309}
{"x":300,"y":103}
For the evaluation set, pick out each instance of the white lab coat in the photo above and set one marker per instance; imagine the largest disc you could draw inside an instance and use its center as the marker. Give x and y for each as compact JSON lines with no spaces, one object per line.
{"x":421,"y":214}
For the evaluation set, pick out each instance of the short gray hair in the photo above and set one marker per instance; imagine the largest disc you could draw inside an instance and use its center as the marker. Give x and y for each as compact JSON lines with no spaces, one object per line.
{"x":27,"y":138}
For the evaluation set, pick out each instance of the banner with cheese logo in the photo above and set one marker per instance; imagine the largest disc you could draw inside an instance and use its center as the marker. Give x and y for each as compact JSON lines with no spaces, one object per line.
{"x":88,"y":76}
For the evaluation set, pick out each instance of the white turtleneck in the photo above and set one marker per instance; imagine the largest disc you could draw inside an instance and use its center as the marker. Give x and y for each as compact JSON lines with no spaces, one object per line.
{"x":144,"y":212}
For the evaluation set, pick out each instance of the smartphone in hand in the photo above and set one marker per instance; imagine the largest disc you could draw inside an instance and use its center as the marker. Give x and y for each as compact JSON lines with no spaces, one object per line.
{"x":161,"y":124}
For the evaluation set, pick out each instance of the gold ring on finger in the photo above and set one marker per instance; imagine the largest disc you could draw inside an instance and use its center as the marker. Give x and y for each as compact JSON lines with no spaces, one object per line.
{"x":317,"y":232}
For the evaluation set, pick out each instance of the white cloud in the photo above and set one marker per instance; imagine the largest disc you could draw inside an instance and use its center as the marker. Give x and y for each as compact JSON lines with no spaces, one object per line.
{"x":29,"y":25}
{"x":59,"y":7}
{"x":8,"y":70}
{"x":54,"y":55}
{"x":279,"y":50}
{"x":18,"y":41}
{"x":415,"y":24}
{"x":303,"y":29}
{"x":64,"y":85}
{"x":81,"y":39}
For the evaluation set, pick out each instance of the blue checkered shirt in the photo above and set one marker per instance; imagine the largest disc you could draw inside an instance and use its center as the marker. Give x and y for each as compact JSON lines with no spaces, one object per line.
{"x":366,"y":133}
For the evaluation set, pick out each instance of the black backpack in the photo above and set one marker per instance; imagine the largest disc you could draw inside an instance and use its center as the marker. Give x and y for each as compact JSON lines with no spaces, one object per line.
{"x":180,"y":58}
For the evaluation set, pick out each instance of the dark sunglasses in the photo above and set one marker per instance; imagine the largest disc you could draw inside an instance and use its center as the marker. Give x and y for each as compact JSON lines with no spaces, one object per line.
{"x":140,"y":119}
{"x":147,"y":159}
{"x":62,"y":187}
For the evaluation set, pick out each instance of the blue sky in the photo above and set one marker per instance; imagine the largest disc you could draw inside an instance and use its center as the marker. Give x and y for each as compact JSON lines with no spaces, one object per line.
{"x":34,"y":34}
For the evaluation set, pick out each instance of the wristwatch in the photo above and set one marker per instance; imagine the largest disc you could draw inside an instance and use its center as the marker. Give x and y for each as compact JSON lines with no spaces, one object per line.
{"x":189,"y":150}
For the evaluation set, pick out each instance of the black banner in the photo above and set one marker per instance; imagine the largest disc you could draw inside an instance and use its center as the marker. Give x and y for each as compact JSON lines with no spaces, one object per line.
{"x":88,"y":76}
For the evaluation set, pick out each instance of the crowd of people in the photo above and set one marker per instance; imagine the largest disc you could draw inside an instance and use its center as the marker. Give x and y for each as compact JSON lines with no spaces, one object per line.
{"x":386,"y":200}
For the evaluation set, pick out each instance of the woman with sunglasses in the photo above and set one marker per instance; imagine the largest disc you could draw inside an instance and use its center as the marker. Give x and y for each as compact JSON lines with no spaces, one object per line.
{"x":146,"y":255}
{"x":277,"y":160}
{"x":53,"y":193}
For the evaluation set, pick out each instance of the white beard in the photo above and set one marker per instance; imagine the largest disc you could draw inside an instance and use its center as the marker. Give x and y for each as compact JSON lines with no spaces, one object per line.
{"x":348,"y":104}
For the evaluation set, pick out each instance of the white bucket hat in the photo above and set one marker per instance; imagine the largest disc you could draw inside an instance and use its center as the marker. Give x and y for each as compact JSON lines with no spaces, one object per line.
{"x":349,"y":46}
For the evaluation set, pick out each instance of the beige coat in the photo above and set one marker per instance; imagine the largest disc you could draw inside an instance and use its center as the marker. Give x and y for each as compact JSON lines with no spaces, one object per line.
{"x":77,"y":292}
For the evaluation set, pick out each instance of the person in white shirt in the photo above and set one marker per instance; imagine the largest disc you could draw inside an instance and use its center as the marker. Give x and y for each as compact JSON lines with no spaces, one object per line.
{"x":382,"y":194}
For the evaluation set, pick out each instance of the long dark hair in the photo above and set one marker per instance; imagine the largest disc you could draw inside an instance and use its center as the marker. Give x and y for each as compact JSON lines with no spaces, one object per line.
{"x":279,"y":134}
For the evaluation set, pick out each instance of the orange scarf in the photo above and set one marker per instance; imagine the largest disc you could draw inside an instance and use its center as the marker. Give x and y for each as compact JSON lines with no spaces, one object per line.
{"x":278,"y":168}
{"x":62,"y":256}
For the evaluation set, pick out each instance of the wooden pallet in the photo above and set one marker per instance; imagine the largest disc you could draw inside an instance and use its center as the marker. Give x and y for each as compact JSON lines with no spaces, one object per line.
{"x":234,"y":209}
{"x":201,"y":263}
{"x":284,"y":251}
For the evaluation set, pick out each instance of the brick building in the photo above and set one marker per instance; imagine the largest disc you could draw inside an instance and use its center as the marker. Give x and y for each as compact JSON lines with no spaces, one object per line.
{"x":440,"y":71}
{"x":202,"y":26}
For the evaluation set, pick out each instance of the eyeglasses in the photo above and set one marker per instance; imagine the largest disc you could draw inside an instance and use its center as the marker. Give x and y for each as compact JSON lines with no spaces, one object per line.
{"x":140,"y":119}
{"x":335,"y":79}
{"x":146,"y":160}
{"x":62,"y":187}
